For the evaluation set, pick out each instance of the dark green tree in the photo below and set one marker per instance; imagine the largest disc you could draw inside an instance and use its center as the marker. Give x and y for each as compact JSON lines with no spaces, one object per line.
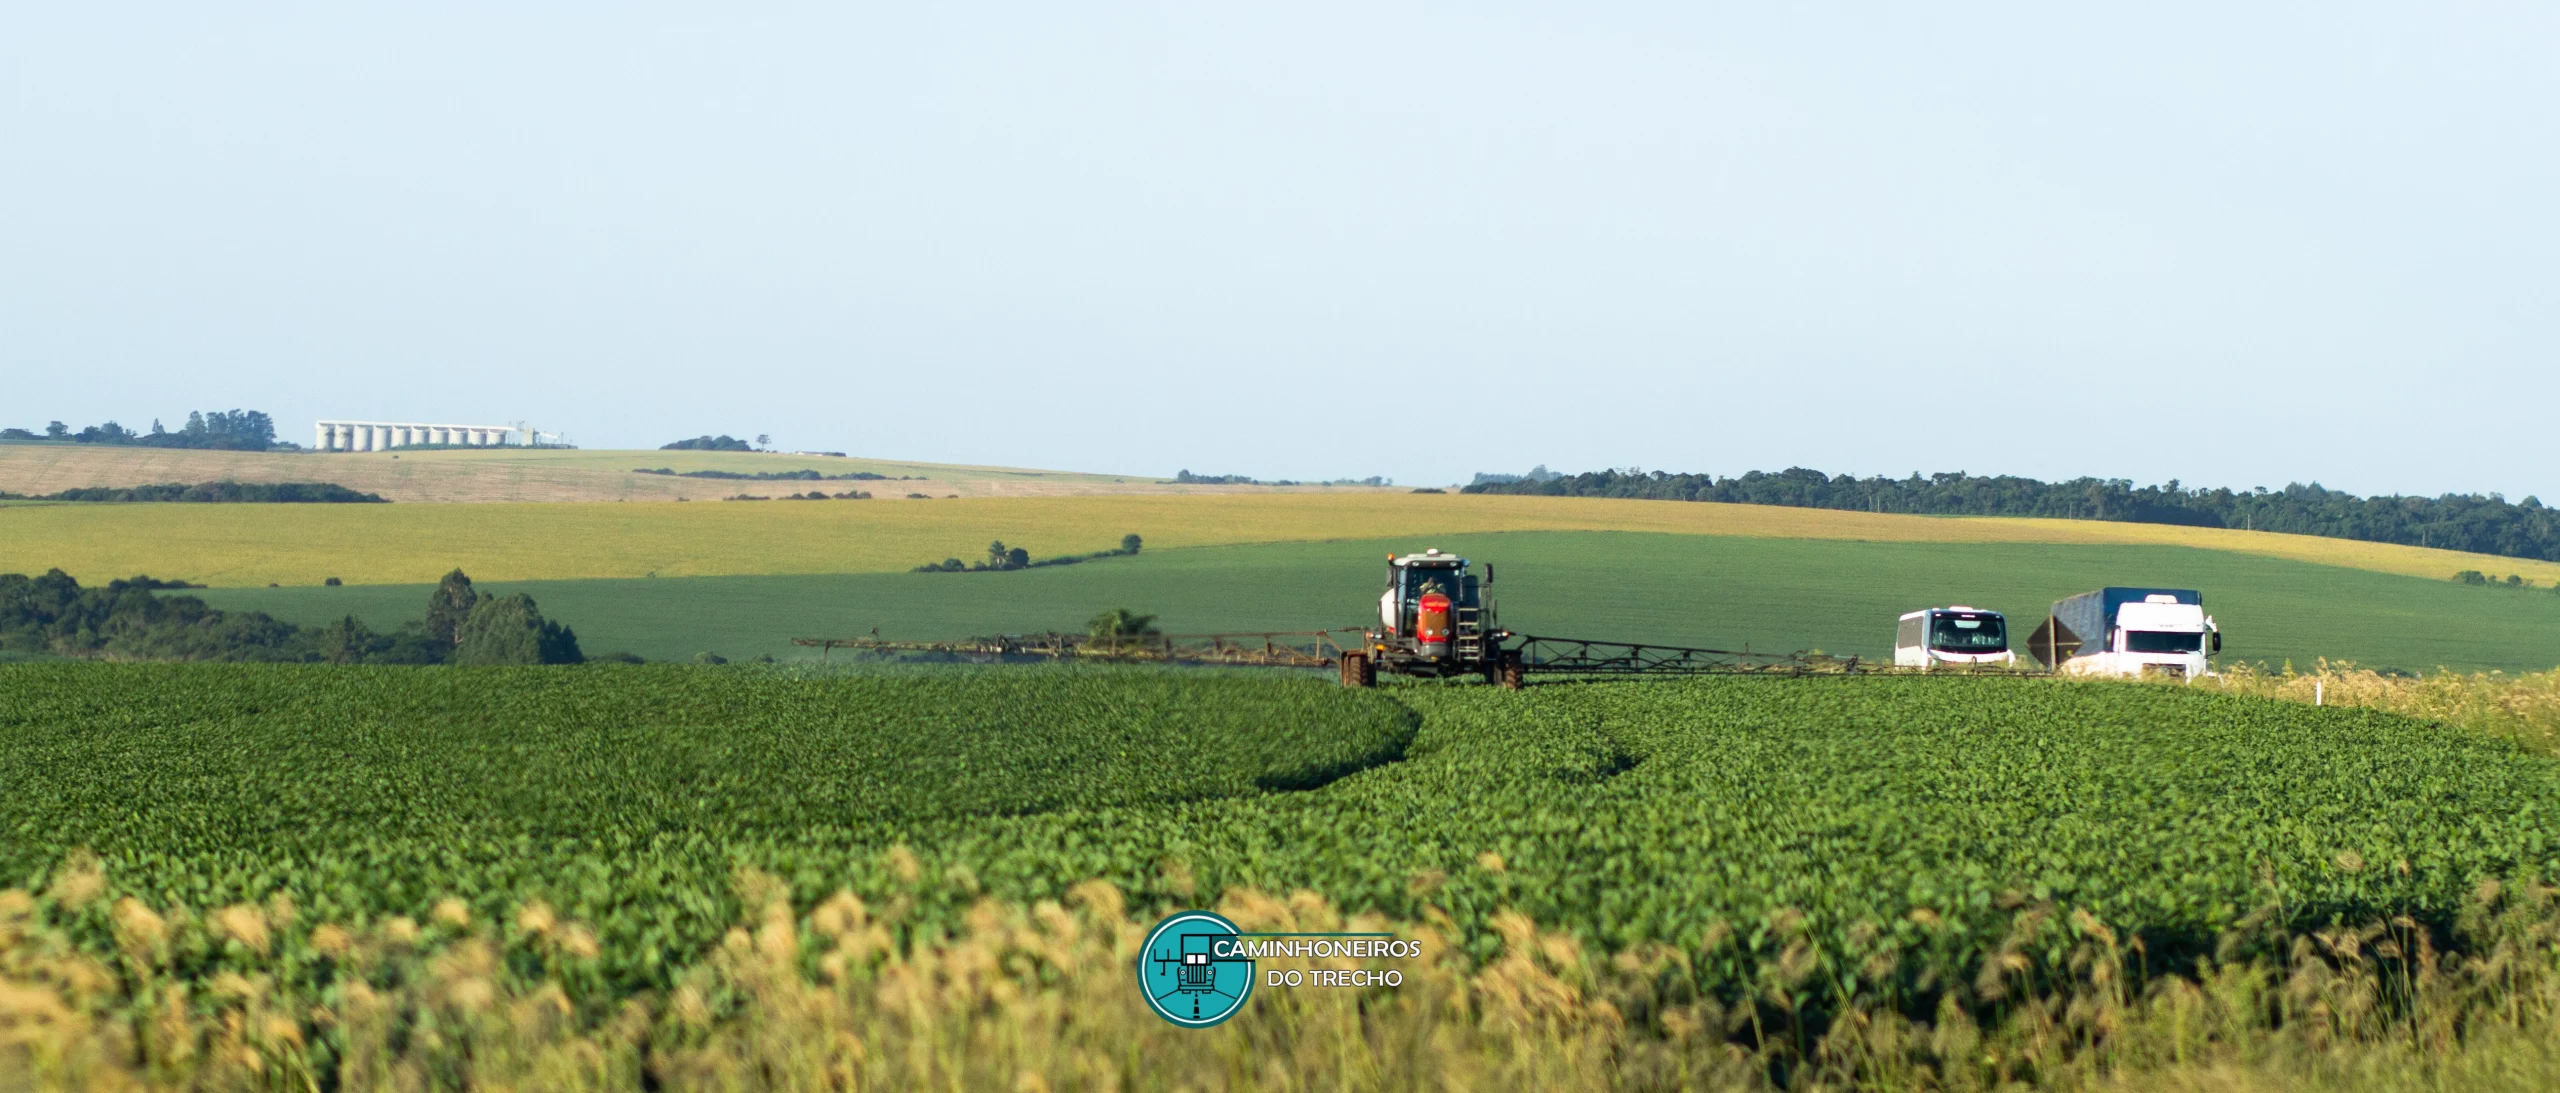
{"x":345,"y":641}
{"x":109,"y":433}
{"x":511,"y":630}
{"x":1130,"y":543}
{"x":448,"y":607}
{"x":1119,"y":626}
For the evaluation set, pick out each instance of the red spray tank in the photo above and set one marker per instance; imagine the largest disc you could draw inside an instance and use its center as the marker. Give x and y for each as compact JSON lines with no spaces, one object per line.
{"x":1431,"y":624}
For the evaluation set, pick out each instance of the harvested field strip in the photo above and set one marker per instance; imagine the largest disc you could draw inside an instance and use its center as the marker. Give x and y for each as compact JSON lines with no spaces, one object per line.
{"x":249,"y":545}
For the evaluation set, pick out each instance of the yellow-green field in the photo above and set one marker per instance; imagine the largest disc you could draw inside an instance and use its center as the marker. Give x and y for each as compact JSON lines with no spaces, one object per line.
{"x":256,"y":545}
{"x":519,"y":474}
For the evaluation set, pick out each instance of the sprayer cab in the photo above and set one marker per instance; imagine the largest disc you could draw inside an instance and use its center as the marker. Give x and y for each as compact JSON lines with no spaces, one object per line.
{"x":1435,"y":619}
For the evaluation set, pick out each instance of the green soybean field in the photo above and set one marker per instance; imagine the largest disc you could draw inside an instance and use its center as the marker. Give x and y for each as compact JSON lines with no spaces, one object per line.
{"x":1881,"y":836}
{"x":1627,"y":812}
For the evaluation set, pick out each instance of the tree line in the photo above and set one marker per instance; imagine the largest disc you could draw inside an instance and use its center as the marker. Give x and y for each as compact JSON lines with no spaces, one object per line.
{"x":128,"y":620}
{"x":229,"y":430}
{"x":722,"y":443}
{"x":1186,"y":478}
{"x":2481,"y":524}
{"x":269,"y":493}
{"x":1004,"y":559}
{"x":803,"y":475}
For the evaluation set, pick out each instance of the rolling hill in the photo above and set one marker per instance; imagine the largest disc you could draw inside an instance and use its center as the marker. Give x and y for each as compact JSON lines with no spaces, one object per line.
{"x":257,"y":545}
{"x":522,"y":475}
{"x":1776,"y":594}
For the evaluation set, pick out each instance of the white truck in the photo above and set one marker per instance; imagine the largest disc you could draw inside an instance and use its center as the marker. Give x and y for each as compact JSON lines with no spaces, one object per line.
{"x":2129,"y":632}
{"x":1959,"y":636}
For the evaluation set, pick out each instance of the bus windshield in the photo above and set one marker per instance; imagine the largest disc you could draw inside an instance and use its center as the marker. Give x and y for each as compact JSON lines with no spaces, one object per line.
{"x":2161,"y":641}
{"x":1962,"y":634}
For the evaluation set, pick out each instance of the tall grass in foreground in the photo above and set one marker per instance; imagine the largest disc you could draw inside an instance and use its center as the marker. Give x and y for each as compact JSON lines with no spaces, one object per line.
{"x":842,"y":996}
{"x":2522,"y":708}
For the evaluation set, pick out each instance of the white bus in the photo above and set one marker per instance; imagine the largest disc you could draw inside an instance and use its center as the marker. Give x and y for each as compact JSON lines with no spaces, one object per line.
{"x":1952,"y":636}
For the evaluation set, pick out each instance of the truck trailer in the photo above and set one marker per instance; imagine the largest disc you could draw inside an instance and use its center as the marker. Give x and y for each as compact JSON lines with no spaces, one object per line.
{"x":2129,"y":632}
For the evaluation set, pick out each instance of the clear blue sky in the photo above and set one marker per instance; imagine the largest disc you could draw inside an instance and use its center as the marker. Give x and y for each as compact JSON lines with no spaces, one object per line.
{"x":2231,"y":244}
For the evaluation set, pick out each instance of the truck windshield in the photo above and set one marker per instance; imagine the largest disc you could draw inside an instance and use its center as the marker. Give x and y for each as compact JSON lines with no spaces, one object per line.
{"x":2160,"y":641}
{"x":1958,"y":634}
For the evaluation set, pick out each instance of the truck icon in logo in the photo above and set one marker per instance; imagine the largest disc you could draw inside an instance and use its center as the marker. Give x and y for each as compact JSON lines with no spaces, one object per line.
{"x":1193,"y":970}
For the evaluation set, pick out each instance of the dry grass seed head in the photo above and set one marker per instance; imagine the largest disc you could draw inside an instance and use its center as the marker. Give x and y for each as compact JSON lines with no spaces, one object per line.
{"x":1253,"y":909}
{"x":1101,"y":898}
{"x":1059,"y":929}
{"x":536,"y":919}
{"x":279,"y":1029}
{"x":233,"y":986}
{"x":331,"y":940}
{"x":140,"y":931}
{"x":1785,"y":922}
{"x":778,"y":935}
{"x":245,"y":923}
{"x":1177,"y":874}
{"x":1519,"y":932}
{"x":400,"y":930}
{"x":842,"y":914}
{"x":904,"y":865}
{"x":1313,"y":911}
{"x":80,"y":879}
{"x":32,"y":1008}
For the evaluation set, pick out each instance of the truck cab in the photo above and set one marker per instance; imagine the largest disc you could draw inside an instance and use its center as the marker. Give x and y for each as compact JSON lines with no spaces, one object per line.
{"x":1940,"y":637}
{"x":2131,"y":632}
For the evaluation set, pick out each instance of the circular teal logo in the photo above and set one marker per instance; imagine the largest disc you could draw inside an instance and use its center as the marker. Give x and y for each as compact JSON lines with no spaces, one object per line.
{"x":1194,"y":969}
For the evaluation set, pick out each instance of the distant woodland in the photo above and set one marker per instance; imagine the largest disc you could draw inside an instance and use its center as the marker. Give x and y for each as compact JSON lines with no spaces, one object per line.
{"x":778,"y":476}
{"x":1186,"y":478}
{"x":126,"y":620}
{"x":722,"y":443}
{"x":228,"y":430}
{"x":269,"y":493}
{"x":2485,"y":525}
